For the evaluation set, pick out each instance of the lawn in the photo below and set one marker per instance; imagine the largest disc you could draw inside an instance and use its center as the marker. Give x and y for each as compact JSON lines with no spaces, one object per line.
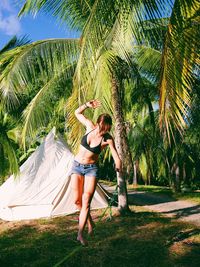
{"x":141,"y":239}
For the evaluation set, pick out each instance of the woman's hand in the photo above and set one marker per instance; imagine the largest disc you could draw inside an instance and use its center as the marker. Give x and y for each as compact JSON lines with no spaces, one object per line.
{"x":93,"y":103}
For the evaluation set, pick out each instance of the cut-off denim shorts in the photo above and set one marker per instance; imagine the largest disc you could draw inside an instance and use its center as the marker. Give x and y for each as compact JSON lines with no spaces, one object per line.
{"x":85,"y":169}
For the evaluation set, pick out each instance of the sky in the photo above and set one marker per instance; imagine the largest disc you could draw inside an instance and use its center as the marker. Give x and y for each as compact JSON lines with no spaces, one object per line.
{"x":39,"y":28}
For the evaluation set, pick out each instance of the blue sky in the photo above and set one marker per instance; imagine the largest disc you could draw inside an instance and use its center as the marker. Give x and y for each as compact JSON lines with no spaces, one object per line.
{"x":41,"y":27}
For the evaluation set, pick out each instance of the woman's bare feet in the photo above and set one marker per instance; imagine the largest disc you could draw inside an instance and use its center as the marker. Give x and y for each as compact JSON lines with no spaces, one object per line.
{"x":82,"y":240}
{"x":90,"y":232}
{"x":91,"y":227}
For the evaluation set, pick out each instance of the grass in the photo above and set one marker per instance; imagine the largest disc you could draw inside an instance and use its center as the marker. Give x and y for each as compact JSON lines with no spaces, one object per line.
{"x":143,"y":239}
{"x":108,"y":183}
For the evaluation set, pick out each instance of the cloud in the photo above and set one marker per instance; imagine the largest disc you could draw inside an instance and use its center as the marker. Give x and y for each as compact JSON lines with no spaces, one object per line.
{"x":5,"y":5}
{"x":10,"y":25}
{"x":9,"y":22}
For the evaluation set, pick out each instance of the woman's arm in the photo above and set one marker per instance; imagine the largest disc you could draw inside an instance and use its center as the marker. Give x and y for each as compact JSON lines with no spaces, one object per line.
{"x":118,"y":163}
{"x":79,"y":112}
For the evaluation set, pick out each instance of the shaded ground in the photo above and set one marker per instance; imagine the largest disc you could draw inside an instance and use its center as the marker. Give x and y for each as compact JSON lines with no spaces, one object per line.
{"x":144,"y":239}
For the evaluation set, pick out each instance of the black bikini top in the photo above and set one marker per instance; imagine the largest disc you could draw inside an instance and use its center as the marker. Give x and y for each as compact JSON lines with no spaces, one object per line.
{"x":96,"y":149}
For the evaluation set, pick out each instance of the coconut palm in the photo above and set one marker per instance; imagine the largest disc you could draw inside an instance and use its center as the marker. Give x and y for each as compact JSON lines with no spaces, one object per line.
{"x":8,"y":138}
{"x":9,"y":134}
{"x":117,"y":23}
{"x":44,"y":73}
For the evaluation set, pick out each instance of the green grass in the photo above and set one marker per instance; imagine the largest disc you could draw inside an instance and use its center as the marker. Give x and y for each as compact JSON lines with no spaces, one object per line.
{"x":192,"y":196}
{"x":108,"y":183}
{"x":143,"y":239}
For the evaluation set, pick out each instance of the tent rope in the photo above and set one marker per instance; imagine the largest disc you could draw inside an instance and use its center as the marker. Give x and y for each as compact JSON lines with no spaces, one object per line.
{"x":111,"y":203}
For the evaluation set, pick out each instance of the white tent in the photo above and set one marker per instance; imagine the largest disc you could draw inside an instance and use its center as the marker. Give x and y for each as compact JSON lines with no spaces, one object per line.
{"x":43,"y":186}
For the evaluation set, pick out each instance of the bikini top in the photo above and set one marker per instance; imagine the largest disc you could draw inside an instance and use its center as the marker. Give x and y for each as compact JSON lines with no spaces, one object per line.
{"x":96,"y":149}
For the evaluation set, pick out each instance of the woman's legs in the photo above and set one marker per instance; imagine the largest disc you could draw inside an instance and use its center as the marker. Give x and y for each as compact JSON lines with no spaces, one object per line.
{"x":89,"y":189}
{"x":77,"y":182}
{"x":90,"y":223}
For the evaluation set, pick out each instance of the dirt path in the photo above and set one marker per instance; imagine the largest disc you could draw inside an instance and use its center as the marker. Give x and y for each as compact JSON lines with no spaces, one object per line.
{"x":178,"y":209}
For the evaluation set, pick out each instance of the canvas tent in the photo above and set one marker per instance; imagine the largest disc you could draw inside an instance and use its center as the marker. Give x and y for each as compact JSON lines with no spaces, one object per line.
{"x":43,"y":187}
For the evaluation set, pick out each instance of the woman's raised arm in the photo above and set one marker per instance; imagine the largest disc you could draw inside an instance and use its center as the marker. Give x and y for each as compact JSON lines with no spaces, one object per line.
{"x":79,"y":112}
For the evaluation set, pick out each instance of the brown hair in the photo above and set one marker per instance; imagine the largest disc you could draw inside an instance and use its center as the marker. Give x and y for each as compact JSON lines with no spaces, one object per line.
{"x":105,"y":122}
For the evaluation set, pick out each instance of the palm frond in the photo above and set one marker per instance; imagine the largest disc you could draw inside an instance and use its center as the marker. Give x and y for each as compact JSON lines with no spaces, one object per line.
{"x":7,"y":151}
{"x":178,"y":59}
{"x":21,"y":67}
{"x":15,"y":42}
{"x":148,"y":61}
{"x":101,"y":18}
{"x":40,"y":109}
{"x":75,"y":13}
{"x":114,"y":24}
{"x":100,"y":84}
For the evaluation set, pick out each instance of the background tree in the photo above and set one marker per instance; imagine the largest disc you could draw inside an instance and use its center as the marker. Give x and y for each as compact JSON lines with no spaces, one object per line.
{"x":10,"y":130}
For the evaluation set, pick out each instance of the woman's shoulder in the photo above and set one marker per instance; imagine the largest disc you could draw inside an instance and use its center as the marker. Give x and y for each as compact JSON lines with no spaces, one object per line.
{"x":90,"y":127}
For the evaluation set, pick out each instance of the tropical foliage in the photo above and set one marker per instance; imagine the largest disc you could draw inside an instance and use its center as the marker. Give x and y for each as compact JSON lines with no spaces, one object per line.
{"x":115,"y":28}
{"x":9,"y":124}
{"x":8,"y":135}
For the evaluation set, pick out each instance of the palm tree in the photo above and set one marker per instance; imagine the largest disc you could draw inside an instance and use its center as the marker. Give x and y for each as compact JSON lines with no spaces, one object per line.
{"x":8,"y":138}
{"x":118,"y":23}
{"x":39,"y":70}
{"x":9,"y":134}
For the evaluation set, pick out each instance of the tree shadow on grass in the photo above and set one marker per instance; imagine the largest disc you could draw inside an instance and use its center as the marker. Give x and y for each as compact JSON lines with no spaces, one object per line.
{"x":171,"y":206}
{"x":137,"y":240}
{"x":184,"y":212}
{"x":39,"y":244}
{"x":145,"y":198}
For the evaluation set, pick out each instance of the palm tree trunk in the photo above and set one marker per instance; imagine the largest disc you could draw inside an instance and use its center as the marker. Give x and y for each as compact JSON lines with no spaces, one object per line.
{"x":176,"y":178}
{"x":177,"y":181}
{"x":121,"y":143}
{"x":135,"y":166}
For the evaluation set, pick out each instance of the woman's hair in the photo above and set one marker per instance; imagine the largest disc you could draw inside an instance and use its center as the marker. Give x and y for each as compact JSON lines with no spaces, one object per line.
{"x":105,"y":122}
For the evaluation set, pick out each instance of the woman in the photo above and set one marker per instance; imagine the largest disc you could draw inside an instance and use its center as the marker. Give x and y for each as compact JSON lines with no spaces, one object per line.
{"x":85,"y":168}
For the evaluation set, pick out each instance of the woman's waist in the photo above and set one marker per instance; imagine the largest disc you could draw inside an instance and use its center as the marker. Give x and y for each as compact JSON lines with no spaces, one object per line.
{"x":83,"y":159}
{"x":85,"y":164}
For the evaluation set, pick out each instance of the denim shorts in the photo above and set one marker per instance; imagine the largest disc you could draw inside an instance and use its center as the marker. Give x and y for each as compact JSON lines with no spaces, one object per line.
{"x":85,"y":169}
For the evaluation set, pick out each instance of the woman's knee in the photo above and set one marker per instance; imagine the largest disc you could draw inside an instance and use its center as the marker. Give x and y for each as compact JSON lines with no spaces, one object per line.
{"x":78,"y":202}
{"x":87,"y":199}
